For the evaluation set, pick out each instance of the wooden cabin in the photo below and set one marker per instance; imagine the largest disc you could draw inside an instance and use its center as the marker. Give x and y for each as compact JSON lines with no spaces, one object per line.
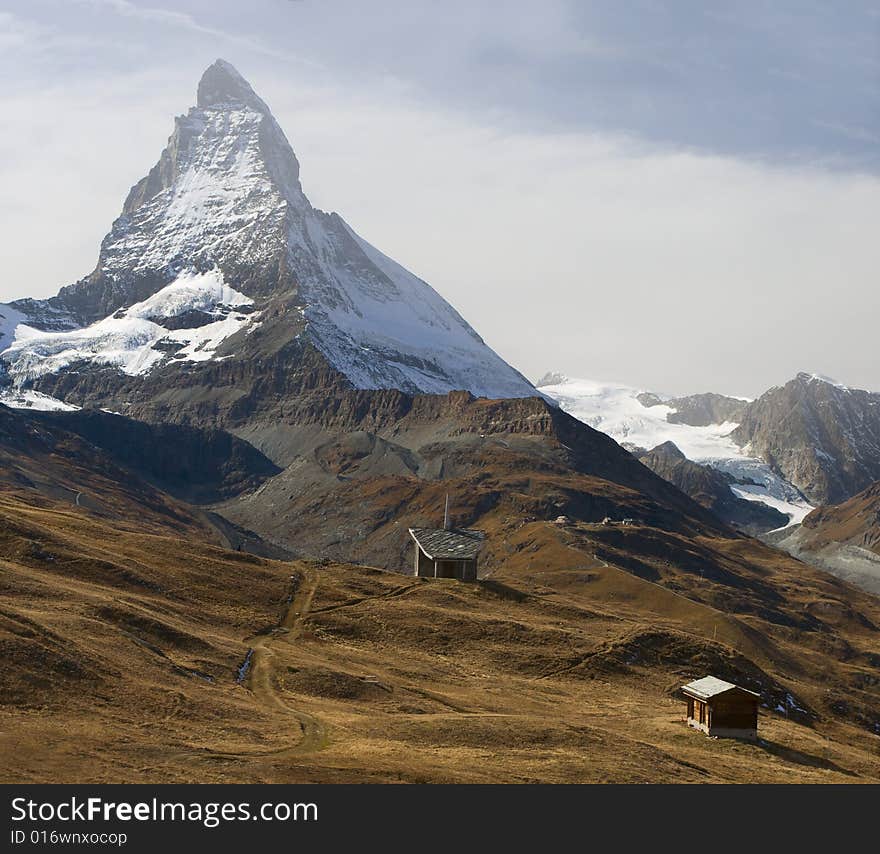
{"x":721,"y":709}
{"x":446,"y":552}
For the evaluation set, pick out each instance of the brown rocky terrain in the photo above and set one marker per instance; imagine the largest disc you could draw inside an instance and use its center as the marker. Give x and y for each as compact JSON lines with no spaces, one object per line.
{"x":843,"y":539}
{"x":856,"y":522}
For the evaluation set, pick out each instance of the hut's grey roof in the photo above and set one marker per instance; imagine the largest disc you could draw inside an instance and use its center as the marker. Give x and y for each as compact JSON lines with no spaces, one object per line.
{"x":455,"y":544}
{"x":711,"y":686}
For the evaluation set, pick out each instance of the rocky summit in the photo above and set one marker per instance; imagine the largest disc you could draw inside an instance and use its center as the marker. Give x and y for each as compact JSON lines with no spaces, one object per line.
{"x":819,"y":434}
{"x":217,"y":246}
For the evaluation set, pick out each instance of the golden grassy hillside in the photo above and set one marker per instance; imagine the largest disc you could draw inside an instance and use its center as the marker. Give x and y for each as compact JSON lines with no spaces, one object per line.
{"x":122,"y":652}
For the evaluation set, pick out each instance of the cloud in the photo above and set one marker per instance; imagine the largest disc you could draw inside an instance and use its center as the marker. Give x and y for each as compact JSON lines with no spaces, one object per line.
{"x":860,"y":134}
{"x":15,"y":32}
{"x":185,"y":21}
{"x":20,"y":35}
{"x":604,"y":256}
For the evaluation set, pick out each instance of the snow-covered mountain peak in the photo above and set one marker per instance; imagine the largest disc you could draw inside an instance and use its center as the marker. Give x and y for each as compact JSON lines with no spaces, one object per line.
{"x":813,"y":377}
{"x":222,"y":86}
{"x":225,"y":199}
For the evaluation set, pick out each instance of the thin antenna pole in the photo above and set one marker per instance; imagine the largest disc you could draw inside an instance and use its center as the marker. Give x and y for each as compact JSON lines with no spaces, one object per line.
{"x":446,"y":514}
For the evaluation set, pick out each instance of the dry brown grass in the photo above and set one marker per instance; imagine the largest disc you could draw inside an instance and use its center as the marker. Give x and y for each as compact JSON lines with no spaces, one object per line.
{"x":121,"y":651}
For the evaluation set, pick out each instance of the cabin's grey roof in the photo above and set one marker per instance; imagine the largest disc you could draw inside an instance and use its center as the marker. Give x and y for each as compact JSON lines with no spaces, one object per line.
{"x":456,"y":544}
{"x":711,"y":686}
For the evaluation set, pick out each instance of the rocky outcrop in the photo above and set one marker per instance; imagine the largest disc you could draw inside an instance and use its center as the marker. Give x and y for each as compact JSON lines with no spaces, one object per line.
{"x":710,"y":488}
{"x":700,"y":410}
{"x":821,"y":436}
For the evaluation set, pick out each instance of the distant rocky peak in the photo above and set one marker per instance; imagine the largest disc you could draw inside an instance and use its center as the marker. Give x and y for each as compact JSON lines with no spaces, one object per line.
{"x":649,"y":399}
{"x":221,"y":85}
{"x":551,"y":378}
{"x":807,"y":377}
{"x":821,"y":435}
{"x":669,"y":450}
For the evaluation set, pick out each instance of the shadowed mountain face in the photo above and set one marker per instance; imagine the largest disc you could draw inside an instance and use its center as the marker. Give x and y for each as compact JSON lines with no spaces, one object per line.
{"x":710,"y":488}
{"x":50,"y":463}
{"x":822,"y":437}
{"x":141,"y":477}
{"x":199,"y":465}
{"x":700,"y":410}
{"x":218,"y":246}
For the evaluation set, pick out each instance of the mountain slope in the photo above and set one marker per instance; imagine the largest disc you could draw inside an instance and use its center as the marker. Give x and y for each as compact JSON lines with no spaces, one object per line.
{"x":821,"y":436}
{"x":50,"y":463}
{"x":843,"y":539}
{"x":198,"y":465}
{"x":134,"y":657}
{"x":137,"y":476}
{"x":218,"y":241}
{"x":856,"y":521}
{"x":641,"y":420}
{"x":712,"y":489}
{"x":359,"y":472}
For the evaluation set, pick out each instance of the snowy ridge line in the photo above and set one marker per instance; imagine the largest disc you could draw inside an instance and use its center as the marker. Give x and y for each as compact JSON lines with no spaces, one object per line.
{"x":127,"y":338}
{"x":616,"y":410}
{"x":36,"y":400}
{"x":382,"y":326}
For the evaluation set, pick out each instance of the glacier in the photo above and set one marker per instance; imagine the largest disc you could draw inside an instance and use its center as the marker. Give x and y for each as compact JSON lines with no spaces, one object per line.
{"x":128,"y":338}
{"x":615,"y":409}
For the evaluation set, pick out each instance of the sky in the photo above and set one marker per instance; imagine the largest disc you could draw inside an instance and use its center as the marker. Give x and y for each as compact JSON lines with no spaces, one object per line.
{"x":681,"y":196}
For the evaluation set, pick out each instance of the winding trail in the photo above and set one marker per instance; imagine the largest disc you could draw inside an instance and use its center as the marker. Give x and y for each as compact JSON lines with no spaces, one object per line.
{"x":260,"y":680}
{"x":261,"y":676}
{"x":350,"y":603}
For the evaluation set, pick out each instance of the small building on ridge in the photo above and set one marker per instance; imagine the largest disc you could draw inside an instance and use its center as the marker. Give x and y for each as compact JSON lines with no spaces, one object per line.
{"x":446,"y":553}
{"x":722,"y":709}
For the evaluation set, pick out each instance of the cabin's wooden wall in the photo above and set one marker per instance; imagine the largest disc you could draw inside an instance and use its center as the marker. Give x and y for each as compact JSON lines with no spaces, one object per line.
{"x":424,"y":564}
{"x":735,"y":711}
